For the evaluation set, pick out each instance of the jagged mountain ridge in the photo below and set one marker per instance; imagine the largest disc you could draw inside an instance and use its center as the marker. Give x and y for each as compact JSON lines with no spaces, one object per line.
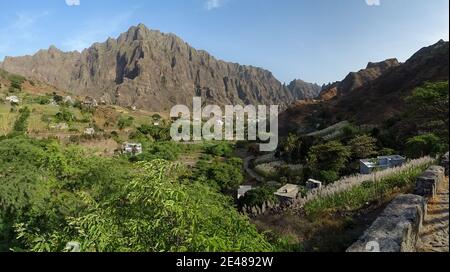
{"x":303,"y":90}
{"x":355,"y":80}
{"x":377,"y":100}
{"x":154,"y":71}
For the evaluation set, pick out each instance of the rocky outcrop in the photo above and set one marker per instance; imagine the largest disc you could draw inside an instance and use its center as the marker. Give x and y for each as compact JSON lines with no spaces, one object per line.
{"x":396,"y":229}
{"x":302,"y":90}
{"x":155,"y":71}
{"x":356,"y":80}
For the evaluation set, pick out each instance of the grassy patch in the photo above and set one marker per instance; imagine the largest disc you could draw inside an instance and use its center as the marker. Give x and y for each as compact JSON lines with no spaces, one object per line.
{"x":358,"y":196}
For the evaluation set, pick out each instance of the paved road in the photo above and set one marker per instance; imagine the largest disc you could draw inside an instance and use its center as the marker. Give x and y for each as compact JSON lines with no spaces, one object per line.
{"x":434,"y":236}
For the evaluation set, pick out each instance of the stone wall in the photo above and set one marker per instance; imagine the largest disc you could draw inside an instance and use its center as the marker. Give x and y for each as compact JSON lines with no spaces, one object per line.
{"x":444,"y":163}
{"x":267,"y":207}
{"x":397,"y":228}
{"x":429,"y":181}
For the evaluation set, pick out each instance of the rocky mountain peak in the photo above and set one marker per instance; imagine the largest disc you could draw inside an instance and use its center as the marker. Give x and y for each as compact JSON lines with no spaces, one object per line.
{"x":154,"y":71}
{"x":383,"y":64}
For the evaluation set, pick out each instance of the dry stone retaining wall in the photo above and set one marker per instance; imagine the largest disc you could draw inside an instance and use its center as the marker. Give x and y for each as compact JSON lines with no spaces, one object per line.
{"x":397,"y":228}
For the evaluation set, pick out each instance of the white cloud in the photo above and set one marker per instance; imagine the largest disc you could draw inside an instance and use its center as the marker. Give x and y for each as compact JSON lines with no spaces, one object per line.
{"x":213,"y":4}
{"x":373,"y":2}
{"x":73,"y":2}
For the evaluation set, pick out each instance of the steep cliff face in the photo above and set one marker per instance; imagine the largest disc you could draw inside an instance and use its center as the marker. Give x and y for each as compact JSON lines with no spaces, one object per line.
{"x":154,"y":71}
{"x":303,"y":90}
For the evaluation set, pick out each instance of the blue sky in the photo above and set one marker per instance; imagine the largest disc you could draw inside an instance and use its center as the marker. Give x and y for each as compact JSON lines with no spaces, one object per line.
{"x":315,"y":40}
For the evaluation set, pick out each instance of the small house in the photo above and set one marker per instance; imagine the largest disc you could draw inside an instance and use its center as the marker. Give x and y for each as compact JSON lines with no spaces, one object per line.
{"x":313,"y":184}
{"x":13,"y":99}
{"x":132,"y":148}
{"x":89,"y":131}
{"x":243,"y":190}
{"x":367,"y":166}
{"x":288,"y":193}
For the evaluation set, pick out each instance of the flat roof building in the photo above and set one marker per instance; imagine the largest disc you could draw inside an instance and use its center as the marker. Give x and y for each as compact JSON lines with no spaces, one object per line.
{"x":367,"y":166}
{"x":288,"y":193}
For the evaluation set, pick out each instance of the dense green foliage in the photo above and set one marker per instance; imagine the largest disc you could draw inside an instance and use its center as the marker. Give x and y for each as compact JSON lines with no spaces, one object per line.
{"x":422,"y":145}
{"x":326,"y":158}
{"x":362,"y":147}
{"x":125,"y":122}
{"x":51,"y":195}
{"x":20,"y":126}
{"x":224,"y":175}
{"x":222,"y":149}
{"x":258,"y":196}
{"x":428,"y":109}
{"x":65,"y":115}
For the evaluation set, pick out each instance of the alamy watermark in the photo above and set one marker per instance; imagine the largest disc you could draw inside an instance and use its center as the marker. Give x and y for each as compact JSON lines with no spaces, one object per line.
{"x":232,"y":124}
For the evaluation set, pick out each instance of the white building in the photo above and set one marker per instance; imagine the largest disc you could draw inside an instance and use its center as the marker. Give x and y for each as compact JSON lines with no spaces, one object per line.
{"x":132,"y":148}
{"x":313,"y":184}
{"x":89,"y":131}
{"x":243,"y":190}
{"x":13,"y":99}
{"x":384,"y":162}
{"x":288,"y":193}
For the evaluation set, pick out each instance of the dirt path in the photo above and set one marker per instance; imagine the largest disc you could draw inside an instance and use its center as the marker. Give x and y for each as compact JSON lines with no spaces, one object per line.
{"x":434,"y":235}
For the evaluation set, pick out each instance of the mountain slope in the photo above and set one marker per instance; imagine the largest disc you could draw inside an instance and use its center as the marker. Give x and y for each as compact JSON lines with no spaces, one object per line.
{"x":154,"y":71}
{"x":303,"y":90}
{"x":358,"y":79}
{"x":378,"y":99}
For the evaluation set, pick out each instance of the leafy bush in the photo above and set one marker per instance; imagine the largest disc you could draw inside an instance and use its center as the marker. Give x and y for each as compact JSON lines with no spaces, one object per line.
{"x":21,"y":125}
{"x":64,"y":115}
{"x":222,"y":149}
{"x":125,"y":122}
{"x":423,"y":145}
{"x":53,"y":195}
{"x":362,"y":147}
{"x":156,"y":132}
{"x":224,"y":176}
{"x":328,"y":176}
{"x":258,"y":196}
{"x":331,"y":156}
{"x":161,"y":150}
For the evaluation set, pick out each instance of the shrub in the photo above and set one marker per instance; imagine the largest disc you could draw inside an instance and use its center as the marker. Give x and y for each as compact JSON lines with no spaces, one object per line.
{"x":21,"y":125}
{"x":427,"y":144}
{"x":328,"y":176}
{"x":224,"y":176}
{"x":222,"y":149}
{"x":331,"y":156}
{"x":64,"y":115}
{"x":125,"y":122}
{"x":258,"y":196}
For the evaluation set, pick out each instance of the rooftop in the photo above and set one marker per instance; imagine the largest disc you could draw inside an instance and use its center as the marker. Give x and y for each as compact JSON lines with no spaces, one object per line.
{"x":288,"y":190}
